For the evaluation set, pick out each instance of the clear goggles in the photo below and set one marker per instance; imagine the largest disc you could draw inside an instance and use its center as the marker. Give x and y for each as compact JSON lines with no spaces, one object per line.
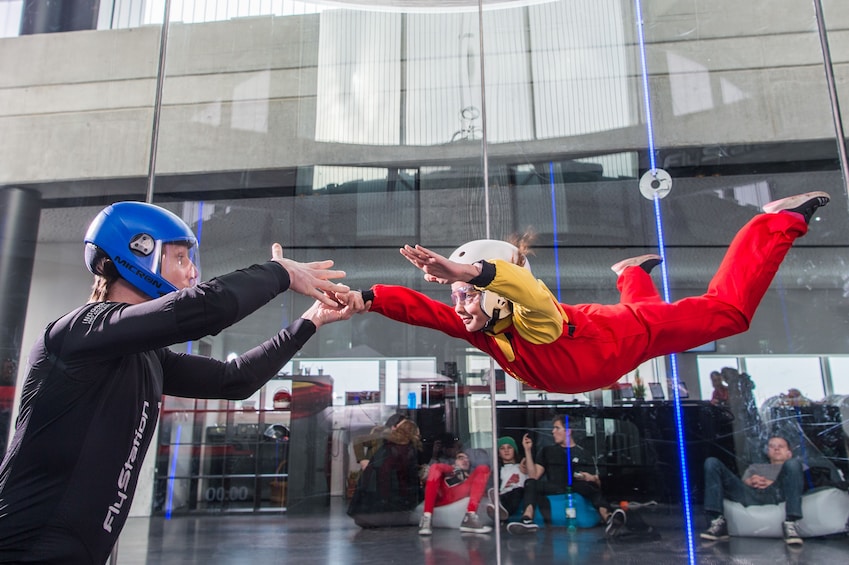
{"x":464,"y":295}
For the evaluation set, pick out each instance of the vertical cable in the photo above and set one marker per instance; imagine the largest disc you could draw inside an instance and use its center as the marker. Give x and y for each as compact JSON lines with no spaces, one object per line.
{"x":645,"y":77}
{"x":832,"y":93}
{"x":157,"y":103}
{"x":496,"y":472}
{"x":483,"y":122}
{"x":679,"y":426}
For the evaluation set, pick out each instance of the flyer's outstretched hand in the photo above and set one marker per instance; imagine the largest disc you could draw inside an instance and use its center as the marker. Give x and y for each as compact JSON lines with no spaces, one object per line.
{"x":320,"y":313}
{"x":437,"y":268}
{"x":354,"y":302}
{"x":311,"y":279}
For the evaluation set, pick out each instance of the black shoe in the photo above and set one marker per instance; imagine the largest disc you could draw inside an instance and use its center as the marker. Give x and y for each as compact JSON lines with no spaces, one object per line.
{"x":718,"y":529}
{"x":805,"y":204}
{"x":525,"y":526}
{"x":645,"y":262}
{"x":615,"y":522}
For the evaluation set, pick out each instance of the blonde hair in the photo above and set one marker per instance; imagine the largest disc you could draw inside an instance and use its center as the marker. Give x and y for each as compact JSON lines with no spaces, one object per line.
{"x":523,"y":243}
{"x":404,"y":433}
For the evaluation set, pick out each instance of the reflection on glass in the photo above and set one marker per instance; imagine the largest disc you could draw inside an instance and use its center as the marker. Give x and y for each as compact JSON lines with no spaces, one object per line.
{"x":777,"y":375}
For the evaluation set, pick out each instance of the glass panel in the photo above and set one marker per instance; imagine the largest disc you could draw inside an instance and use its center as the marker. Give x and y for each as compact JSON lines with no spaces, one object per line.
{"x":326,"y":132}
{"x":728,"y":131}
{"x":345,"y":132}
{"x":799,"y":378}
{"x":708,"y":365}
{"x":725,"y":125}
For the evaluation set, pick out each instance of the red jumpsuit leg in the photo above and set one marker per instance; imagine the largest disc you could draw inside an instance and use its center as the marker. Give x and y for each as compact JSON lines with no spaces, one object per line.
{"x":434,"y":484}
{"x":477,"y":486}
{"x":733,"y":294}
{"x":753,"y":259}
{"x":636,"y":285}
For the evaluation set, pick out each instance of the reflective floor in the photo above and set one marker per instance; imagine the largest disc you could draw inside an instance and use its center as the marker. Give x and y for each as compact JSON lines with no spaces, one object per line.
{"x":332,"y":538}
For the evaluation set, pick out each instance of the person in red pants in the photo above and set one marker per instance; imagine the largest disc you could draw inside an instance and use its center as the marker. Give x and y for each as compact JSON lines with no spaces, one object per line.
{"x":502,"y":309}
{"x":449,"y":483}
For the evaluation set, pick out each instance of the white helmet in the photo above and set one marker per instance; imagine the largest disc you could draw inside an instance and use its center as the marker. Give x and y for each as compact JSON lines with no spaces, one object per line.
{"x":493,"y":305}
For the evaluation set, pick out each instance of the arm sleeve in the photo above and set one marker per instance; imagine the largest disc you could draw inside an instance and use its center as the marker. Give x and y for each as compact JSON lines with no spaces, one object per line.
{"x":202,"y":377}
{"x":537,"y":315}
{"x":406,"y":305}
{"x":210,"y":307}
{"x":177,"y":317}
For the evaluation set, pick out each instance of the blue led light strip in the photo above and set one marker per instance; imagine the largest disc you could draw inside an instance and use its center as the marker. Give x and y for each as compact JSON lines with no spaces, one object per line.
{"x":568,"y":450}
{"x":172,"y":472}
{"x":679,"y":426}
{"x":554,"y":228}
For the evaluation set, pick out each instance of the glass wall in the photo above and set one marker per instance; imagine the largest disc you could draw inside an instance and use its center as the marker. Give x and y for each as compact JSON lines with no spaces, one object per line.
{"x":345,"y":131}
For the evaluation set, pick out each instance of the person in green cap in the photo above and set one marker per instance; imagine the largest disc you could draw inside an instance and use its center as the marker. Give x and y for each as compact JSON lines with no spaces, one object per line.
{"x":512,"y":475}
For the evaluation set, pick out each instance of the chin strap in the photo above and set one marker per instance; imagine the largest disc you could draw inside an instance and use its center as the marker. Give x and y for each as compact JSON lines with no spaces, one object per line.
{"x":490,"y":324}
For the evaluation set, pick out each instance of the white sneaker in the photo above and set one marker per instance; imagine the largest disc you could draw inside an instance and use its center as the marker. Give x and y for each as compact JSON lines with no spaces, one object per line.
{"x":805,"y":204}
{"x":615,"y":522}
{"x":472,"y":524}
{"x":645,"y":262}
{"x":425,"y":528}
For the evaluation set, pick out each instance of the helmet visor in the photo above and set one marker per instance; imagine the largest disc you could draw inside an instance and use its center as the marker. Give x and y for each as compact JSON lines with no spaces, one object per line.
{"x":178,"y":262}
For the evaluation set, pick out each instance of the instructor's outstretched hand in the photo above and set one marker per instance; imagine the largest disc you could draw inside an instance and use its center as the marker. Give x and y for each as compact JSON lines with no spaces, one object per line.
{"x":320,"y":313}
{"x":311,"y":279}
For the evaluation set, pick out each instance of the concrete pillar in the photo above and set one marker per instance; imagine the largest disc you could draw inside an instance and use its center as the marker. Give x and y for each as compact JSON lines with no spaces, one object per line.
{"x":20,"y":211}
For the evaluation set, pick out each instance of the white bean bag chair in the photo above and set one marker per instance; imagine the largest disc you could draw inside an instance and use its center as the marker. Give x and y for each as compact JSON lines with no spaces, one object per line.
{"x":451,"y":515}
{"x":825,"y":511}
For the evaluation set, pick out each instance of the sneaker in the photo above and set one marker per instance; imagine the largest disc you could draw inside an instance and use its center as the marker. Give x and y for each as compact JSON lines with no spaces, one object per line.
{"x":791,"y":535}
{"x":525,"y":526}
{"x":805,"y":204}
{"x":718,"y":529}
{"x":615,"y":522}
{"x":425,"y":528}
{"x":501,"y":515}
{"x":645,"y":262}
{"x":472,"y":524}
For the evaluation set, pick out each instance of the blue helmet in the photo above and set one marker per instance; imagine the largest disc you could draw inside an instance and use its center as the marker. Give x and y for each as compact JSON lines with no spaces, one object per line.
{"x":132,"y":234}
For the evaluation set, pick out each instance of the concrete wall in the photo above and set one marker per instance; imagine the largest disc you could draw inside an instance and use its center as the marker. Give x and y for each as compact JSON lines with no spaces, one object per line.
{"x":80,"y":105}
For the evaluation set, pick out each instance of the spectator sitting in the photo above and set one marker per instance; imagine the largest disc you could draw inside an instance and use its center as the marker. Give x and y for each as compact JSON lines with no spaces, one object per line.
{"x":720,"y":390}
{"x":556,"y":462}
{"x":446,"y":446}
{"x":780,"y":480}
{"x":365,"y":446}
{"x":390,"y":482}
{"x":512,"y":477}
{"x":447,"y":484}
{"x":794,"y":397}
